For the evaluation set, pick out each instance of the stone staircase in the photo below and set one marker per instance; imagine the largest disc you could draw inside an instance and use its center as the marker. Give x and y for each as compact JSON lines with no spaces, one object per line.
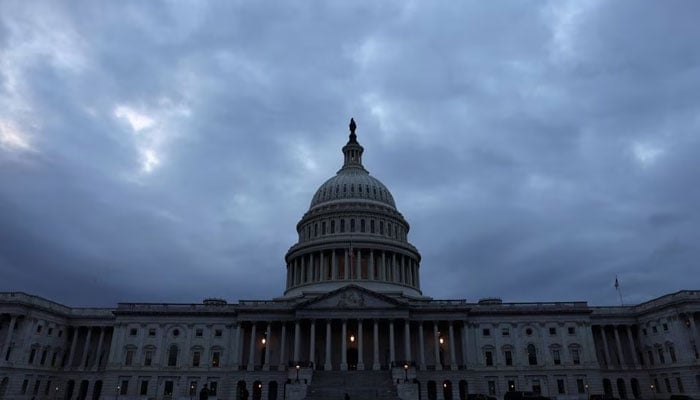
{"x":359,"y":385}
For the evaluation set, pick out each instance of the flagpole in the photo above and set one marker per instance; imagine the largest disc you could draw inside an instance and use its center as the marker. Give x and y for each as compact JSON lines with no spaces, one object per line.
{"x":619,"y":291}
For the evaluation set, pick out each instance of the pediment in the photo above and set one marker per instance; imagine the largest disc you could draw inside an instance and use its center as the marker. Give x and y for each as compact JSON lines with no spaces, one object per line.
{"x":351,"y":297}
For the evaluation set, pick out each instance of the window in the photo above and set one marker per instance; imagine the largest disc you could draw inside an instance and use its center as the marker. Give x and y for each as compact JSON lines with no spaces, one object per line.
{"x":654,"y":329}
{"x":667,"y":383}
{"x":133,"y":332}
{"x":50,"y":332}
{"x":381,"y":227}
{"x":662,"y":359}
{"x":25,"y":384}
{"x":656,"y":385}
{"x":144,"y":388}
{"x":665,"y":326}
{"x":176,"y":332}
{"x":323,"y":227}
{"x":124,"y":388}
{"x":556,"y":357}
{"x":679,"y":383}
{"x":560,"y":386}
{"x":60,"y":333}
{"x":486,"y":332}
{"x":672,"y":353}
{"x":148,"y":358}
{"x":492,"y":388}
{"x":509,"y":357}
{"x":32,"y":355}
{"x":552,"y":331}
{"x":172,"y":356}
{"x":218,"y":332}
{"x":580,"y":386}
{"x":571,"y":330}
{"x":168,"y":388}
{"x":53,"y":359}
{"x":212,"y":388}
{"x":644,"y":331}
{"x":342,"y":226}
{"x":651,"y":358}
{"x":195,"y":358}
{"x":576,"y":356}
{"x":316,"y":229}
{"x":531,"y":354}
{"x":352,"y":225}
{"x":36,"y":386}
{"x":151,"y":332}
{"x":129,"y":359}
{"x":43,"y":357}
{"x":362,"y":225}
{"x":198,"y":332}
{"x":528,"y":331}
{"x":47,"y":388}
{"x":489,"y":358}
{"x":215,"y":359}
{"x":505,"y":332}
{"x":511,"y":385}
{"x":38,"y":328}
{"x":332,"y":226}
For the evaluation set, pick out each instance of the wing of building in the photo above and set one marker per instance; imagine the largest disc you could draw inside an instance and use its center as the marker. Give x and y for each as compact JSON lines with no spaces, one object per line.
{"x":352,"y":321}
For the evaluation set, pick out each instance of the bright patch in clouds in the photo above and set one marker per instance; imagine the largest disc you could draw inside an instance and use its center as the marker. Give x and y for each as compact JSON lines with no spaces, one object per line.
{"x":646,"y":154}
{"x":138,"y":121}
{"x":149,"y":160}
{"x":11,"y":138}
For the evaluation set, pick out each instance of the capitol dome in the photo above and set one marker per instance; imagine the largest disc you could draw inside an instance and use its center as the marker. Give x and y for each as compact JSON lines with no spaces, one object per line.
{"x":353,"y":234}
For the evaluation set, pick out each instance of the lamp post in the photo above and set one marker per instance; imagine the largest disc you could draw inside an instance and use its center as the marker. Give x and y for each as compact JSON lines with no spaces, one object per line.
{"x":191,"y":391}
{"x":405,"y":372}
{"x":298,"y":373}
{"x":55,"y":393}
{"x":119,"y":388}
{"x":653,"y":393}
{"x":588,"y":395}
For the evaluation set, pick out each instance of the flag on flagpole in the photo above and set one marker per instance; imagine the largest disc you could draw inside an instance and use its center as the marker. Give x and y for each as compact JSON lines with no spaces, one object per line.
{"x":617,"y":284}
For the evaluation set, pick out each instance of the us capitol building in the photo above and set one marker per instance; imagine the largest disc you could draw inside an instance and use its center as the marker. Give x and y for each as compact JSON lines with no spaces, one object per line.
{"x":352,"y":319}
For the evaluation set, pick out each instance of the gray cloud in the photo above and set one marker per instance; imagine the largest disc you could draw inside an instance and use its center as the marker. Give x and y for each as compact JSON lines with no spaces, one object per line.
{"x":165,"y":151}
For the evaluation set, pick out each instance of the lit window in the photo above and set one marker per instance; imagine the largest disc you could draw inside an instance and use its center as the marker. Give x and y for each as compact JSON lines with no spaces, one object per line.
{"x":215,"y":359}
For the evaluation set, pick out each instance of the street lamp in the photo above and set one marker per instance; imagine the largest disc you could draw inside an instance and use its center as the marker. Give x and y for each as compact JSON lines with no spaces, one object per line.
{"x":653,"y":393}
{"x":405,"y":372}
{"x":588,"y":395}
{"x":298,"y":373}
{"x":191,"y":391}
{"x":119,"y":388}
{"x":55,"y":394}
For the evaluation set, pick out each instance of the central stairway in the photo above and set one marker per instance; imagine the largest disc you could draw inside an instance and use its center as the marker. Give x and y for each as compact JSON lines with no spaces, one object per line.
{"x":359,"y":385}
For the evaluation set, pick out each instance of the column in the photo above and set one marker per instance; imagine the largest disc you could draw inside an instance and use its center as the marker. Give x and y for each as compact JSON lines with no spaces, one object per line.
{"x":268,"y":335}
{"x":605,"y":347}
{"x":321,"y":267}
{"x":74,"y":344}
{"x":375,"y":363}
{"x":358,"y":264}
{"x":312,"y":343}
{"x":383,"y":270}
{"x":344,"y":345}
{"x":334,"y":265}
{"x":297,"y":338}
{"x":310,"y":268}
{"x":694,"y":329}
{"x":370,"y":271}
{"x":630,"y":339}
{"x":421,"y":345}
{"x":392,"y":355}
{"x":346,"y":273}
{"x":99,"y":348}
{"x":360,"y":347}
{"x":407,"y":340}
{"x":436,"y":340}
{"x":237,"y":348}
{"x":394,"y":268}
{"x":453,"y":357}
{"x":8,"y":337}
{"x":283,"y":344}
{"x":464,"y":343}
{"x":251,"y":352}
{"x":86,"y":348}
{"x":620,"y":354}
{"x":328,"y":366}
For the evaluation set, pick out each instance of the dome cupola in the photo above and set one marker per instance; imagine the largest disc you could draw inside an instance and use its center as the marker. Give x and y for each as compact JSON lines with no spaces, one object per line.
{"x":353,"y":234}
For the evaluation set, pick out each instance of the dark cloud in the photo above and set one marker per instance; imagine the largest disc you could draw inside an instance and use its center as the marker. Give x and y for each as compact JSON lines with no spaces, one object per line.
{"x":165,"y":151}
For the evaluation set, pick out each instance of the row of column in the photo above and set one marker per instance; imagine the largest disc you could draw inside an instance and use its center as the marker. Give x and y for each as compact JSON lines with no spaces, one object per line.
{"x":353,"y":264}
{"x":358,"y":341}
{"x":618,"y":349}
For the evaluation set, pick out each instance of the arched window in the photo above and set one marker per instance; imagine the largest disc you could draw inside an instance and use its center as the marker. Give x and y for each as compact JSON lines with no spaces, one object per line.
{"x":172,"y":356}
{"x":432,"y":392}
{"x":272,"y":390}
{"x":531,"y":354}
{"x":332,"y":226}
{"x":463,"y":390}
{"x":447,"y":390}
{"x":362,"y":225}
{"x":342,"y":226}
{"x":352,"y":225}
{"x":371,"y":226}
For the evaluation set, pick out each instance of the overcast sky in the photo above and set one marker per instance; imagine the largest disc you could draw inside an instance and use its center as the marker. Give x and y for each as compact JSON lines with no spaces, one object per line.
{"x":164,"y":151}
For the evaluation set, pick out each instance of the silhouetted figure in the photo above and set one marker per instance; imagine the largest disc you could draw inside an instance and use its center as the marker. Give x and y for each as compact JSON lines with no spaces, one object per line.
{"x":204,"y":393}
{"x":352,"y":126}
{"x":244,"y":394}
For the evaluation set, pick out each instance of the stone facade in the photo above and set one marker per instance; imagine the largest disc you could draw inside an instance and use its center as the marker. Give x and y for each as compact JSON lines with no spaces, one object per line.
{"x":353,"y":303}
